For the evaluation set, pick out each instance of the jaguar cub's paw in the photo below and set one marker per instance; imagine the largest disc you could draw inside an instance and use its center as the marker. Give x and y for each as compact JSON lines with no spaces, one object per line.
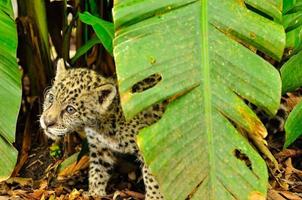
{"x":96,"y":190}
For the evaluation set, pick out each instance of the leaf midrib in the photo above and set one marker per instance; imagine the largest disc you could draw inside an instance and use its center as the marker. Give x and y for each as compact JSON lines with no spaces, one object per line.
{"x":206,"y":92}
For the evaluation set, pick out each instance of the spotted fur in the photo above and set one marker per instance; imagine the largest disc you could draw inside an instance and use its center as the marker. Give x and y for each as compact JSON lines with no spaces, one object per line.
{"x":81,"y":99}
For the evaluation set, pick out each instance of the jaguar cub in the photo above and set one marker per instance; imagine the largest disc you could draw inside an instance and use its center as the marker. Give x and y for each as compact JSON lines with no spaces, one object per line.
{"x":81,"y":99}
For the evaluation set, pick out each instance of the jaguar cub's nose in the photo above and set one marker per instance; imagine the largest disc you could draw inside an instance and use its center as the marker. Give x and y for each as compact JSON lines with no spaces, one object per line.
{"x":49,"y":120}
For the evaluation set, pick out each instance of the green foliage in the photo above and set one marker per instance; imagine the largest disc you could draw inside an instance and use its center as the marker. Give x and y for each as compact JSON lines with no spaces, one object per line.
{"x":83,"y":49}
{"x":194,"y":150}
{"x":288,"y":5}
{"x":293,"y":125}
{"x":291,"y":72}
{"x":270,"y":8}
{"x":10,"y":89}
{"x":33,"y":48}
{"x":68,"y":161}
{"x":293,"y":24}
{"x":103,"y":29}
{"x":55,"y":151}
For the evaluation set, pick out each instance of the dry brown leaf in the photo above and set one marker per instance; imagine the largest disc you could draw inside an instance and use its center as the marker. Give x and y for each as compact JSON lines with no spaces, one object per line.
{"x":261,"y":144}
{"x":59,"y":190}
{"x":292,"y":101}
{"x":288,"y":169}
{"x":52,"y":197}
{"x":42,"y":197}
{"x":290,"y":195}
{"x":4,"y":198}
{"x":43,"y":185}
{"x":74,"y":167}
{"x":74,"y":194}
{"x":37,"y":194}
{"x":274,"y":195}
{"x":288,"y":153}
{"x":127,"y":194}
{"x":21,"y":181}
{"x":19,"y":193}
{"x":136,"y":195}
{"x":26,"y":139}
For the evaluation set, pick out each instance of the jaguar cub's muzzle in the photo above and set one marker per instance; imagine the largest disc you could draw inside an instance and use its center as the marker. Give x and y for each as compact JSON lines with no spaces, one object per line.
{"x":49,"y":124}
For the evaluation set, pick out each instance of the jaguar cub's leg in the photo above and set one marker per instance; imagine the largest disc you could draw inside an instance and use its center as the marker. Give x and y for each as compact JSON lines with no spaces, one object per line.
{"x":128,"y":145}
{"x":100,"y":166}
{"x":151,"y":185}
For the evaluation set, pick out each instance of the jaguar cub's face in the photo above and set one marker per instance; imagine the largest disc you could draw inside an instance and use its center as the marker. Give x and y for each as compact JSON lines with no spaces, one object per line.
{"x":78,"y":98}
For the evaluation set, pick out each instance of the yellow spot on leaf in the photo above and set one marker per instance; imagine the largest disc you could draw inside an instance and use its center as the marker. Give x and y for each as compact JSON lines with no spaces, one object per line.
{"x":257,"y":132}
{"x":139,"y":141}
{"x":256,"y":196}
{"x":152,"y":60}
{"x":125,"y":97}
{"x":255,"y":125}
{"x":253,"y":35}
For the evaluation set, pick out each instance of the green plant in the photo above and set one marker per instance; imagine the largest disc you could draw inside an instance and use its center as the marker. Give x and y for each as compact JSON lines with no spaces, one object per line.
{"x":207,"y":53}
{"x":10,"y":89}
{"x":291,"y":72}
{"x":196,"y":46}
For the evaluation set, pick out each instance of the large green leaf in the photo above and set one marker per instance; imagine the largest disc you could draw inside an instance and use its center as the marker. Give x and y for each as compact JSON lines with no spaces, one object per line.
{"x":102,"y":28}
{"x":293,"y":24}
{"x":10,"y":89}
{"x":291,"y":73}
{"x":288,"y":5}
{"x":83,"y":49}
{"x":271,"y":8}
{"x":194,"y":150}
{"x":293,"y":125}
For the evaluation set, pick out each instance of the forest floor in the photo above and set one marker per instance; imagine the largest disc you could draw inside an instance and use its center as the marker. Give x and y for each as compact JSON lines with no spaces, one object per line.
{"x":41,"y":178}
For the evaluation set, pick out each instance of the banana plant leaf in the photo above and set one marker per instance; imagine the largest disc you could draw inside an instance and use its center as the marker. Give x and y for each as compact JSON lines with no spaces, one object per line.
{"x":271,"y":8}
{"x":293,"y":25}
{"x":293,"y":125}
{"x":103,"y":29}
{"x":199,"y":49}
{"x":10,"y":89}
{"x":291,"y":73}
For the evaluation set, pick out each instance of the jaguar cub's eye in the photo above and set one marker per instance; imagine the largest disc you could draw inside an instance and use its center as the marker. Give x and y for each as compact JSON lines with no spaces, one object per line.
{"x":70,"y":109}
{"x":50,"y":98}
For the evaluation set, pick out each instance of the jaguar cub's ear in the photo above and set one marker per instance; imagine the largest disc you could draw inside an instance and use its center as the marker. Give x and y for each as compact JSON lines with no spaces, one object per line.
{"x":60,"y":69}
{"x":106,"y":94}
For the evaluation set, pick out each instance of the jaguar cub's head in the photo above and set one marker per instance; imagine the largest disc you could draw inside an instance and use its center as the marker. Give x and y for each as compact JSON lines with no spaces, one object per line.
{"x":78,"y":98}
